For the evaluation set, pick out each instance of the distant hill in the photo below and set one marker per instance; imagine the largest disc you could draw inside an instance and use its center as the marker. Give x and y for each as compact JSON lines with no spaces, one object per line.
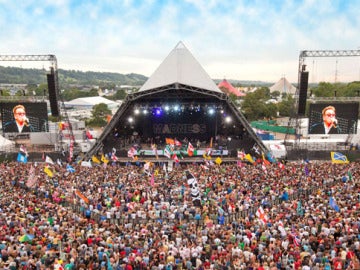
{"x":15,"y":75}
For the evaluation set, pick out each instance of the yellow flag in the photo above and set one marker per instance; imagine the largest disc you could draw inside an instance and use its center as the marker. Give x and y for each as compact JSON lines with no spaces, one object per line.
{"x":48,"y":171}
{"x":249,"y":158}
{"x":95,"y":159}
{"x":104,"y":159}
{"x":338,"y":158}
{"x":218,"y":160}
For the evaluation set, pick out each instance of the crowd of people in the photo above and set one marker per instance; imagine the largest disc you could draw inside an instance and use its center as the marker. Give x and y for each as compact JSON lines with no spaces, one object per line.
{"x":298,"y":216}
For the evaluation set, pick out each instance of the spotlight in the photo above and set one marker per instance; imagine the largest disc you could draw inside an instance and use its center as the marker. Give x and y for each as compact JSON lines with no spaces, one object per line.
{"x":167,"y":108}
{"x":211,"y":111}
{"x":145,"y":111}
{"x":227,"y":119}
{"x":136,"y":111}
{"x":176,"y":108}
{"x":157,"y":111}
{"x":130,"y":119}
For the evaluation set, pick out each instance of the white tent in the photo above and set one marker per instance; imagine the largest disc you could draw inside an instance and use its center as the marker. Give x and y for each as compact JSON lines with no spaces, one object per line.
{"x":5,"y":144}
{"x":89,"y":102}
{"x":283,"y":86}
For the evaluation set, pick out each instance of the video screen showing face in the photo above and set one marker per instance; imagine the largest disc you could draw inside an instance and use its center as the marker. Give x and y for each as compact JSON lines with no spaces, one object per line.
{"x":23,"y":117}
{"x":333,"y":118}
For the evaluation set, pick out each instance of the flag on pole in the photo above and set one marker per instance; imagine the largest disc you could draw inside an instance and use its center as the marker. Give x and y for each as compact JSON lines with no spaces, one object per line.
{"x":48,"y":171}
{"x":104,"y":159}
{"x":23,"y":150}
{"x":170,"y":141}
{"x":175,"y":158}
{"x":190,"y":149}
{"x":177,"y":143}
{"x":113,"y":157}
{"x":260,"y":213}
{"x":167,"y":151}
{"x":69,"y":168}
{"x":21,"y":158}
{"x":95,"y":159}
{"x":333,"y":205}
{"x":338,"y":158}
{"x":49,"y":160}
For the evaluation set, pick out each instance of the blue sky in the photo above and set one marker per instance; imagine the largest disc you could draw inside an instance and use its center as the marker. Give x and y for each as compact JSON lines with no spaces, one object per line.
{"x":239,"y":39}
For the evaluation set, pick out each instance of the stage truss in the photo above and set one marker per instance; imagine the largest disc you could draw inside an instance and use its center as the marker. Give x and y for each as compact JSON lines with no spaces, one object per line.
{"x":294,"y":118}
{"x":53,"y":61}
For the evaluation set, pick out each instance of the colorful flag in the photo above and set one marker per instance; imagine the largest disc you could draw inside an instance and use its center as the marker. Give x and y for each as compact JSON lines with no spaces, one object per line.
{"x":49,"y":160}
{"x":69,"y":168}
{"x":89,"y":136}
{"x":131,"y":152}
{"x":338,"y":158}
{"x":167,"y":151}
{"x":249,"y":158}
{"x":86,"y":164}
{"x":333,"y":205}
{"x":190,"y":150}
{"x":48,"y":171}
{"x":175,"y":158}
{"x":104,"y":159}
{"x":350,"y":175}
{"x":82,"y":196}
{"x":194,"y":188}
{"x":113,"y":157}
{"x":177,"y":143}
{"x":170,"y":141}
{"x":21,"y":158}
{"x":218,"y":161}
{"x":95,"y":159}
{"x":260,"y":213}
{"x":241,"y":154}
{"x":23,"y":150}
{"x":281,"y":165}
{"x":306,"y":169}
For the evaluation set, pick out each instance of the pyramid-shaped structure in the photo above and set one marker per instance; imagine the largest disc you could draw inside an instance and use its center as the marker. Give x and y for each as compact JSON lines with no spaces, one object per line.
{"x":175,"y":102}
{"x":283,"y":86}
{"x":180,"y":66}
{"x":224,"y":84}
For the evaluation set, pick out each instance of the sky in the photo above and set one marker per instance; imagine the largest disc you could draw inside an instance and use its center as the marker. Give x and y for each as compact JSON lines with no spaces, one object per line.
{"x":237,"y":39}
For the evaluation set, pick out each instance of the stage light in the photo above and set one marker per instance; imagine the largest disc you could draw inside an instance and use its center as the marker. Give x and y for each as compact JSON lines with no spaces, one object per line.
{"x":176,"y":108}
{"x":211,"y":111}
{"x":136,"y":111}
{"x":130,"y":119}
{"x":227,"y":119}
{"x":145,"y":111}
{"x":167,"y":108}
{"x":157,"y":112}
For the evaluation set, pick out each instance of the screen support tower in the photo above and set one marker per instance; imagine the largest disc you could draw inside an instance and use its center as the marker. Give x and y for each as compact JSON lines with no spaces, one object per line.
{"x":294,"y":117}
{"x":54,"y":71}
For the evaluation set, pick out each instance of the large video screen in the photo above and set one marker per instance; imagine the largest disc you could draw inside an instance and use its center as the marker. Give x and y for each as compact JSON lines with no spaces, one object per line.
{"x":333,"y":118}
{"x":23,"y":118}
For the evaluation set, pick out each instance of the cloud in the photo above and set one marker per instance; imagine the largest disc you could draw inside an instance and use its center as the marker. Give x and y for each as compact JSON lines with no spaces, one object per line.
{"x":236,"y":39}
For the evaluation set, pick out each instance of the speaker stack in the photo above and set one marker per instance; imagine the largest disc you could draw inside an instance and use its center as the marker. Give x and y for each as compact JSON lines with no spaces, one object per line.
{"x":53,"y":95}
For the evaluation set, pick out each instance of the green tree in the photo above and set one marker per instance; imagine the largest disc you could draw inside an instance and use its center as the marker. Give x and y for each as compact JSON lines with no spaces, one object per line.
{"x":99,"y":114}
{"x":253,"y":105}
{"x":286,"y":106}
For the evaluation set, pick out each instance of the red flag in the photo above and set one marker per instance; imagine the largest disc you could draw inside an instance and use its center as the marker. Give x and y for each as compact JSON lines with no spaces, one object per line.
{"x":190,"y":150}
{"x":177,"y":143}
{"x":262,"y":215}
{"x":175,"y":158}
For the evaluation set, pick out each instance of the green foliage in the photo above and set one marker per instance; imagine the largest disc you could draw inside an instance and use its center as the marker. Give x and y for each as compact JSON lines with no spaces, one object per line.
{"x":95,"y":122}
{"x":100,"y":110}
{"x":286,"y":106}
{"x":119,"y":95}
{"x":254,"y":106}
{"x":66,"y":77}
